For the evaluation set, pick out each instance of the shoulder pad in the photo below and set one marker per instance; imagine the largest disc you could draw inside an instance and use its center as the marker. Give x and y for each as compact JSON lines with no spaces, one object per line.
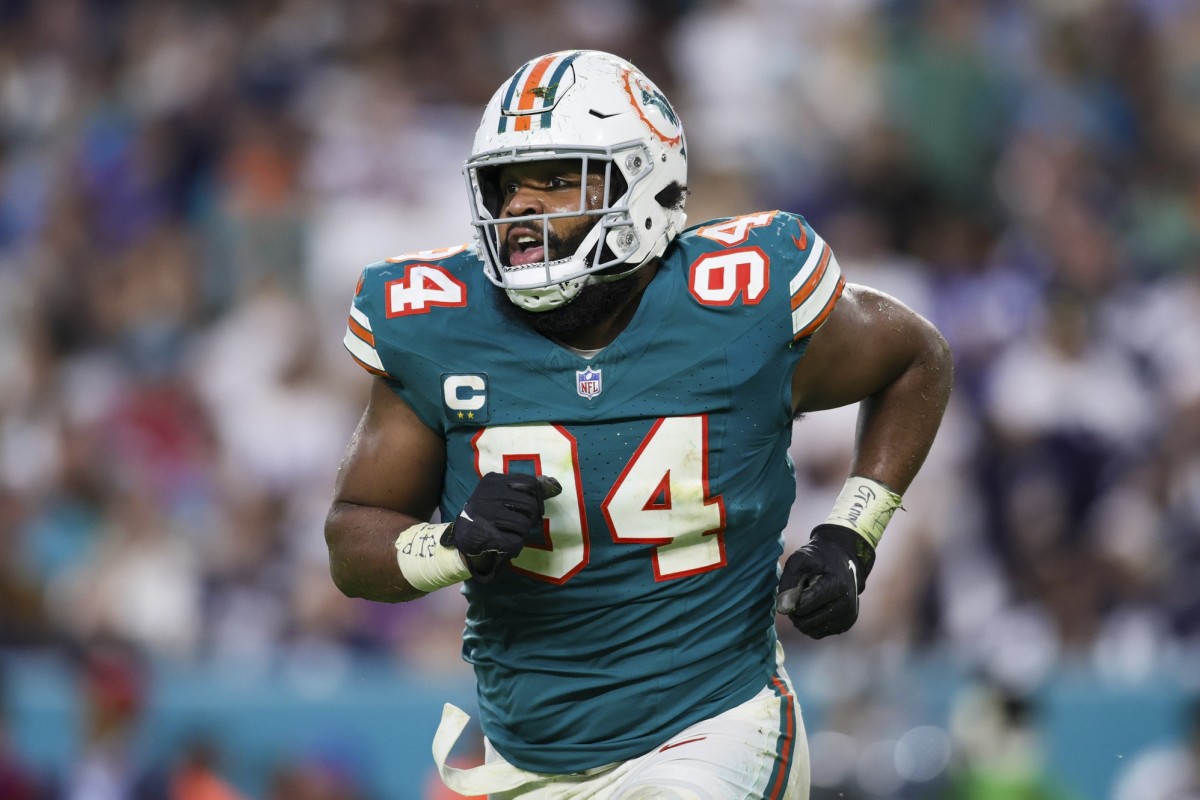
{"x":410,"y":285}
{"x":752,"y":257}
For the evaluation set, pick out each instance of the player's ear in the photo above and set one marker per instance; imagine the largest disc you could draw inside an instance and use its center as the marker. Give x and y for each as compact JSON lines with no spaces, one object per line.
{"x":673,"y":196}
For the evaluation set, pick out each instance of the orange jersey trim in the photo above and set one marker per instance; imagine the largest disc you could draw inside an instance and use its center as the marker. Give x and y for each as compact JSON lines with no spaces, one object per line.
{"x":802,"y":242}
{"x":368,"y":367}
{"x":816,"y":323}
{"x":813,"y":280}
{"x":361,"y":332}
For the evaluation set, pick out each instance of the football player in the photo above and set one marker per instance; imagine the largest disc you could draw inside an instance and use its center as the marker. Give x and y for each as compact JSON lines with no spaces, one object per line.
{"x":599,"y":401}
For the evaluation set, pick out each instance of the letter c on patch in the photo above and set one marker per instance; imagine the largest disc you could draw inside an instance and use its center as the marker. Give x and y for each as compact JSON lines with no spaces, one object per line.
{"x":464,"y":392}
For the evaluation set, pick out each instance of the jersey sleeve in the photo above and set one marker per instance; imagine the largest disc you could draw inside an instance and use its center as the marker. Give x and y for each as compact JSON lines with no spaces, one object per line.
{"x":381,"y":345}
{"x":360,"y":336}
{"x":770,"y":263}
{"x":401,"y":320}
{"x":815,"y":280}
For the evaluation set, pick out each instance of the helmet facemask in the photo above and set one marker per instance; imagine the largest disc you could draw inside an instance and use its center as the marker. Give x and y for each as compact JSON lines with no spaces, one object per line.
{"x":603,"y":253}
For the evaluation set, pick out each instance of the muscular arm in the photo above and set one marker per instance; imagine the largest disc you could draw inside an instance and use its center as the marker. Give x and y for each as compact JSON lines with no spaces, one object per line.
{"x":390,"y":479}
{"x":876,"y":350}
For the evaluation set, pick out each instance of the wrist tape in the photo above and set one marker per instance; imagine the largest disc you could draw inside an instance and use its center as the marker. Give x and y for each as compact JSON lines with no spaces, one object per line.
{"x":865,"y":506}
{"x":426,"y":563}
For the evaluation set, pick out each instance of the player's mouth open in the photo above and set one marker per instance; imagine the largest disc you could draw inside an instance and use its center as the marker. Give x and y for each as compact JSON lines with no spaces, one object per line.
{"x":525,"y":248}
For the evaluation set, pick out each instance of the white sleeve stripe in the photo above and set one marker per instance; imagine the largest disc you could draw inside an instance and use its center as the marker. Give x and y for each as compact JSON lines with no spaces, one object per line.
{"x":362,"y":351}
{"x":816,"y":302}
{"x":360,"y":317}
{"x":810,"y":263}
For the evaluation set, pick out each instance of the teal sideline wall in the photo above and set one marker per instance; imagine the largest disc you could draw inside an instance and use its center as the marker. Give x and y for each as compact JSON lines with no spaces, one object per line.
{"x":378,"y":721}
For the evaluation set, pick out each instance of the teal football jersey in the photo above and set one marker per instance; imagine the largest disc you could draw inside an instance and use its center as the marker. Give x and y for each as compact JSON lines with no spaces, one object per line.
{"x":645,"y":603}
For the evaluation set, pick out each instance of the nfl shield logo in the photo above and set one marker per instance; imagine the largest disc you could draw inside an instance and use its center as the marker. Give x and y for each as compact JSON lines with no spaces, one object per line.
{"x":587,"y":383}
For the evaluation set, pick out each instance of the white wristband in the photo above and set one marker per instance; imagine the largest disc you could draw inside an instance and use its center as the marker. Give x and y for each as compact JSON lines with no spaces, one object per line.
{"x":424,"y":562}
{"x":866,"y":506}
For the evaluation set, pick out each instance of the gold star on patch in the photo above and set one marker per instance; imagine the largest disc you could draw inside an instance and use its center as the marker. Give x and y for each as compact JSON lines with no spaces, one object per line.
{"x":460,"y":415}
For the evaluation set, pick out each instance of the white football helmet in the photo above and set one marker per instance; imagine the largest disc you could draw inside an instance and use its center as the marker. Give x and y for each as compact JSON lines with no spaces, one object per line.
{"x":595,"y":107}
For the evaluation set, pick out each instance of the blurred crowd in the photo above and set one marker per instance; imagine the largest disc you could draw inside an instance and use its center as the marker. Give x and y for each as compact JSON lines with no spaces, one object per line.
{"x":188,"y":190}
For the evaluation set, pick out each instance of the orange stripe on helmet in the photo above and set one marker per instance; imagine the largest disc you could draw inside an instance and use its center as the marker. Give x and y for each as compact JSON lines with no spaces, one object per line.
{"x":525,"y":103}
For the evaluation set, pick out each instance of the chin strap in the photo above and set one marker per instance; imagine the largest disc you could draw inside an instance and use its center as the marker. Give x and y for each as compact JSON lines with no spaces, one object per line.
{"x":547,"y":298}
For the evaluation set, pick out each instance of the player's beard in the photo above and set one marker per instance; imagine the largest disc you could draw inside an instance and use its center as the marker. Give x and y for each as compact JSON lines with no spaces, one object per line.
{"x":593,"y":302}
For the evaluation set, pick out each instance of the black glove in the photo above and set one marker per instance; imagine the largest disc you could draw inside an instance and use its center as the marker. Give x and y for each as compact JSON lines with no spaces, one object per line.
{"x":821,"y":581}
{"x":493,"y":524}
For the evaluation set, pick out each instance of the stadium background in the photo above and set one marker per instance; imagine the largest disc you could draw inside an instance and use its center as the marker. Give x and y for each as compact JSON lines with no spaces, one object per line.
{"x":188,"y":190}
